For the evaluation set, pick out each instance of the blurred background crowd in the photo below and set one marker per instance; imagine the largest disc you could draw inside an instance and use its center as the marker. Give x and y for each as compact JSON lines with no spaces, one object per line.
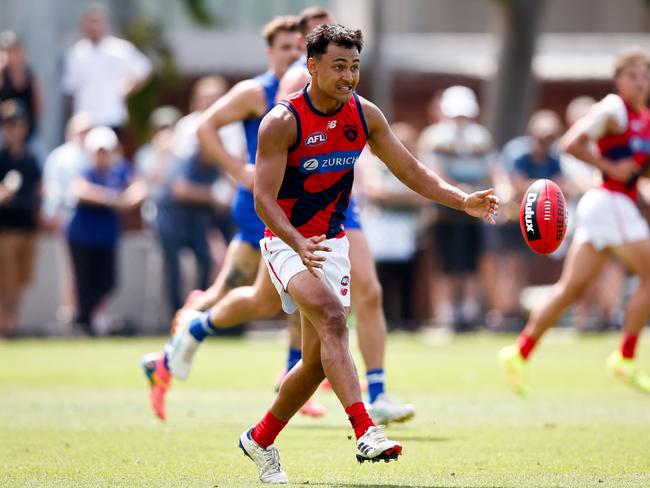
{"x":110,"y":213}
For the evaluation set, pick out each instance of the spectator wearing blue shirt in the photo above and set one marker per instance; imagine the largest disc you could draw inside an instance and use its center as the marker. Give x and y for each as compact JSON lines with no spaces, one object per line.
{"x":536,"y":157}
{"x":20,"y":188}
{"x":185,"y":214}
{"x":103,"y":191}
{"x":542,"y":159}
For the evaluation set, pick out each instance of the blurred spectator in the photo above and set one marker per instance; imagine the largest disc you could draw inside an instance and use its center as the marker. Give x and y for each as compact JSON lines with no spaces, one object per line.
{"x":155,"y":160}
{"x":537,"y":157}
{"x":205,"y":92}
{"x":104,"y":189}
{"x":461,"y":151}
{"x":101,"y":71}
{"x":541,"y":159}
{"x":17,"y":80}
{"x":391,"y":222}
{"x":20,"y":181}
{"x":185,"y":213}
{"x":62,"y":167}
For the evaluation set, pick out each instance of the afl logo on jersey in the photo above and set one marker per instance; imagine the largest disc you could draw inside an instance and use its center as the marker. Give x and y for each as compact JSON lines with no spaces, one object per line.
{"x":310,"y":165}
{"x":315,"y":139}
{"x":351,"y":132}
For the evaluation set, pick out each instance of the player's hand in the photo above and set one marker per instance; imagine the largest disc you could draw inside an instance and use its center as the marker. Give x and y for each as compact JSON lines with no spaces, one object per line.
{"x":5,"y":194}
{"x":483,"y":204}
{"x":307,"y":249}
{"x":623,"y":170}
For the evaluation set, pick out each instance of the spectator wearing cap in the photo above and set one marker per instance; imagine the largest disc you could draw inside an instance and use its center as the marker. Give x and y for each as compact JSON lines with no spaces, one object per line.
{"x":20,"y":187}
{"x":461,"y":151}
{"x":18,"y":81}
{"x":62,"y":167}
{"x":101,"y":71}
{"x":102,"y":192}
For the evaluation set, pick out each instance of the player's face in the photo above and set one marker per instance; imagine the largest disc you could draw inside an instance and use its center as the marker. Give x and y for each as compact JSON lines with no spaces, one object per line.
{"x":337,"y":72}
{"x":286,"y":48}
{"x":633,"y":83}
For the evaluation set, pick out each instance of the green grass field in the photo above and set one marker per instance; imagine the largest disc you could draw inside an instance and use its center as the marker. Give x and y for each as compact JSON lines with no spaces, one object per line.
{"x":75,"y":413}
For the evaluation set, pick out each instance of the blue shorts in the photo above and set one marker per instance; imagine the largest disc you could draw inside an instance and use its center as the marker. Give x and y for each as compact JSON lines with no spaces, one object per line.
{"x":352,"y":216}
{"x":250,"y":227}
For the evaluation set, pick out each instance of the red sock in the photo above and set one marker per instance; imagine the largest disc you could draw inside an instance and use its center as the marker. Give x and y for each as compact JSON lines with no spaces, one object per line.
{"x":628,"y":345}
{"x":526,"y":344}
{"x":359,"y":418}
{"x":265,"y":432}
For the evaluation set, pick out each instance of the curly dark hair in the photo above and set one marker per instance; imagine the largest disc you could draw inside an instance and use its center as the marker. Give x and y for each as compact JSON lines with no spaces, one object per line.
{"x":324,"y":35}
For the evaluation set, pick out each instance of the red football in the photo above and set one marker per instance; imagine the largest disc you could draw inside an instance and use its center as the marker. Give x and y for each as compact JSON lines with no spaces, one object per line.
{"x":543,"y":216}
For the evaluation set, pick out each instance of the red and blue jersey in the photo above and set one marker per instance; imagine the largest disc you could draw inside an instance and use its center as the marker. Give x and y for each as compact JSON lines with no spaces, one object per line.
{"x":315,"y":191}
{"x":633,"y":143}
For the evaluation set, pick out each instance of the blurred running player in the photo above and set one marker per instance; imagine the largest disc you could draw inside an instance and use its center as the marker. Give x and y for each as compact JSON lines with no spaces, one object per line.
{"x":248,"y":101}
{"x":608,"y":220}
{"x":308,"y":145}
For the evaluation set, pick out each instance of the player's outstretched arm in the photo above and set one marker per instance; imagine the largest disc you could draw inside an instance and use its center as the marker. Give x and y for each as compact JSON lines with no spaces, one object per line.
{"x":244,"y":100}
{"x":418,"y":177}
{"x":276,"y":135}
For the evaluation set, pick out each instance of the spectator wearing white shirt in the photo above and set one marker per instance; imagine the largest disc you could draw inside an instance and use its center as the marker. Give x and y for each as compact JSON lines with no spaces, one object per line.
{"x":101,"y":71}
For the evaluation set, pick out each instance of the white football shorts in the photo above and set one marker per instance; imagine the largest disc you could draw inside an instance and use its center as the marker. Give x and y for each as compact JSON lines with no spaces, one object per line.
{"x":284,"y":263}
{"x":607,"y":218}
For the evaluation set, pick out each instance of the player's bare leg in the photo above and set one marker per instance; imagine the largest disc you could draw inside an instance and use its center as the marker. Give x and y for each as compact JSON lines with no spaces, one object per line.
{"x":312,"y":407}
{"x":581,"y":268}
{"x":635,"y":256}
{"x":325,"y":353}
{"x":301,"y":382}
{"x":239,"y":268}
{"x":371,"y":330}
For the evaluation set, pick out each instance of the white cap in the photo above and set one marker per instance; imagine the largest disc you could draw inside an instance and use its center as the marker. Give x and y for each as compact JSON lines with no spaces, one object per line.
{"x":101,"y":138}
{"x":458,"y":101}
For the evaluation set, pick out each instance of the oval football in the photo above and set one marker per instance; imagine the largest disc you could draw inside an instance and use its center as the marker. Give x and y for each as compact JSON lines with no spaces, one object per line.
{"x":543,"y":216}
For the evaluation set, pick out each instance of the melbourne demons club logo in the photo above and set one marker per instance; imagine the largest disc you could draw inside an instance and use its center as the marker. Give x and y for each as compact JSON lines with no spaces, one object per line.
{"x":350,"y":132}
{"x":345,"y":281}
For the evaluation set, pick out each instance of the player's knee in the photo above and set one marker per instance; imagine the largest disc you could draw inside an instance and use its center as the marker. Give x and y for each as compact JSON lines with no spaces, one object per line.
{"x":368,"y":296}
{"x":333,"y":322}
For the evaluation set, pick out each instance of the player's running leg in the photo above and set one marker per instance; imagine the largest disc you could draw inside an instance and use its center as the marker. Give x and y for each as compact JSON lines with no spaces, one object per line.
{"x":297,"y":388}
{"x":239,"y":268}
{"x":312,"y":407}
{"x":241,"y":304}
{"x":635,"y":256}
{"x":581,"y":267}
{"x":371,"y":331}
{"x":325,"y":353}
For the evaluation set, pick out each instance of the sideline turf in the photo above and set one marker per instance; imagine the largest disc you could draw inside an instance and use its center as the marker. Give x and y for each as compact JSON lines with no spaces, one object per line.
{"x":74,"y":413}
